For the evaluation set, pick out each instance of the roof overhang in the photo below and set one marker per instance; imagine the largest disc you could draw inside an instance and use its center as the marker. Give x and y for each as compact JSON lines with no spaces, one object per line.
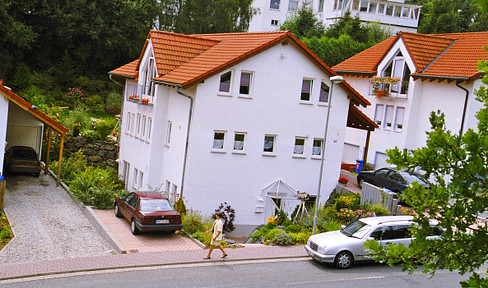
{"x":19,"y":101}
{"x":358,"y":120}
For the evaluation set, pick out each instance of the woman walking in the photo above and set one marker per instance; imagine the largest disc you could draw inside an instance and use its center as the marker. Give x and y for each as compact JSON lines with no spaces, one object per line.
{"x":216,"y":230}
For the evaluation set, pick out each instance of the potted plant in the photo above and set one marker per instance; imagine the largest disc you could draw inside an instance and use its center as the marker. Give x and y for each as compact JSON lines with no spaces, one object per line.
{"x":343,"y":180}
{"x":381,"y":85}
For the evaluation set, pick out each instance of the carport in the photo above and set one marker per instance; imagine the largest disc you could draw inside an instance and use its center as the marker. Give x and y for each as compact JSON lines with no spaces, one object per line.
{"x":23,"y":124}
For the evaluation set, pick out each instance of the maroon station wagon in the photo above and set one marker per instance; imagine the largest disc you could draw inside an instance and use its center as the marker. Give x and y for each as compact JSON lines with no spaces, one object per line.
{"x":148,"y":211}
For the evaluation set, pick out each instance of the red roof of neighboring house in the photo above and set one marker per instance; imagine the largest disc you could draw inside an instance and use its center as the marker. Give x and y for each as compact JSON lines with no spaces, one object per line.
{"x":438,"y":56}
{"x":11,"y":96}
{"x":184,"y":60}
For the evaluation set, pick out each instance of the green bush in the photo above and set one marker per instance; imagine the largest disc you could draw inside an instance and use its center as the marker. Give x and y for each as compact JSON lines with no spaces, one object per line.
{"x":301,"y":238}
{"x":262,"y":231}
{"x":80,"y":116}
{"x":71,"y":166}
{"x":94,"y":187}
{"x":192,"y":222}
{"x":293,"y":228}
{"x":90,"y":134}
{"x":180,"y":206}
{"x":36,"y":96}
{"x":114,"y":100}
{"x":281,"y":215}
{"x":5,"y":231}
{"x":105,"y":127}
{"x":283,"y":239}
{"x":270,"y":235}
{"x":378,"y":209}
{"x":331,"y":225}
{"x":287,"y":222}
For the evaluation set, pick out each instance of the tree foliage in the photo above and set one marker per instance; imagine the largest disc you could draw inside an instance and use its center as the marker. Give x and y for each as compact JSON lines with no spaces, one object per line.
{"x":213,"y":16}
{"x":450,"y":16}
{"x":455,"y":204}
{"x":338,"y":42}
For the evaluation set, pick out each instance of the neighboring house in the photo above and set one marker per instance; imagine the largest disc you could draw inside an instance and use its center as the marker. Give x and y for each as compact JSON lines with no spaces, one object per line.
{"x":395,"y":15}
{"x":22,"y":124}
{"x":436,"y":73}
{"x":257,"y":106}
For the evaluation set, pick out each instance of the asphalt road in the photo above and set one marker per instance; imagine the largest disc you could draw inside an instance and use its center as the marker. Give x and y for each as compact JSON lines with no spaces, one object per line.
{"x":283,"y":274}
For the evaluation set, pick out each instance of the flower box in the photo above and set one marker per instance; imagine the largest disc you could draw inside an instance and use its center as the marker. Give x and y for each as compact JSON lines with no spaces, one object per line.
{"x":381,"y":85}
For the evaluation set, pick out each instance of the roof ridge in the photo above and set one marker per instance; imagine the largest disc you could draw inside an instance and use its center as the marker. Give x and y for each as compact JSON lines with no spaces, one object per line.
{"x":438,"y":56}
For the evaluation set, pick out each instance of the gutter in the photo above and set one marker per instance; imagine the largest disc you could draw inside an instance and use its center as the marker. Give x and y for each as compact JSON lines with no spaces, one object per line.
{"x":187,"y":144}
{"x":464,"y":108}
{"x":115,"y":81}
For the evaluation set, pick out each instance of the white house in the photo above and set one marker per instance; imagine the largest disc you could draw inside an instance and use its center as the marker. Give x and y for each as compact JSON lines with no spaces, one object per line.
{"x":257,"y":106}
{"x":22,"y":124}
{"x":436,"y":73}
{"x":395,"y":15}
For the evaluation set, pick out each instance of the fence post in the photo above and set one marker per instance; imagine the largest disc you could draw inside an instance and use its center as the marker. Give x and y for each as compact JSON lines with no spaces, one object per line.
{"x":2,"y":193}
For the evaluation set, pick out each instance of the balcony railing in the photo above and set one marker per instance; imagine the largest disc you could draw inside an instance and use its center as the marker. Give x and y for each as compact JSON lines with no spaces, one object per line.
{"x":382,"y":90}
{"x":142,"y":94}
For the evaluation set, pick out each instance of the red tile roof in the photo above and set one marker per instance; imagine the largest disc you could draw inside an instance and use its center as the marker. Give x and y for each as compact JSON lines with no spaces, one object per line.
{"x":438,"y":56}
{"x":11,"y":96}
{"x":184,"y":60}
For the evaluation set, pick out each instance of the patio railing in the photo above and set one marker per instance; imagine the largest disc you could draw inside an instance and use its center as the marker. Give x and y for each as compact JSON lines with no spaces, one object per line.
{"x":142,"y":94}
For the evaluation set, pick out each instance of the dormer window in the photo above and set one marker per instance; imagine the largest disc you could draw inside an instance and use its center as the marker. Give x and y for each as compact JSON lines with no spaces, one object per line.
{"x":394,"y":79}
{"x":148,"y":86}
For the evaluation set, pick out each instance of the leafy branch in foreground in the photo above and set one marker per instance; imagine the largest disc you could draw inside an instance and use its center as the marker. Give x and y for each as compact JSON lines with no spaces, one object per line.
{"x":459,"y":195}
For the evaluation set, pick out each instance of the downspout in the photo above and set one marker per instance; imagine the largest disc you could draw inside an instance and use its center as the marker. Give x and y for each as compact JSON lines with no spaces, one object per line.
{"x":187,"y":136}
{"x":465,"y":107}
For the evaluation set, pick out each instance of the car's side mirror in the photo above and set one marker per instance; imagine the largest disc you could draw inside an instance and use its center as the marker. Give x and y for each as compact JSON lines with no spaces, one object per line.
{"x":343,"y":226}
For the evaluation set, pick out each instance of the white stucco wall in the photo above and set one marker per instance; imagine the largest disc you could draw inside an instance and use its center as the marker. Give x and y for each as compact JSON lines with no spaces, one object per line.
{"x":214,"y":177}
{"x":4,"y":103}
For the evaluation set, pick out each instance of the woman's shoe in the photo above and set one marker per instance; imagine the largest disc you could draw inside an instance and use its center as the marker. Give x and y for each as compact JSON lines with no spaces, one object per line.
{"x":225,"y":255}
{"x":206,"y":258}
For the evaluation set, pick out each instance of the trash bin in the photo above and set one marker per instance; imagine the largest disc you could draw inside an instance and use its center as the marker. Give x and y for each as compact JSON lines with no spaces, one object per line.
{"x":359,"y":165}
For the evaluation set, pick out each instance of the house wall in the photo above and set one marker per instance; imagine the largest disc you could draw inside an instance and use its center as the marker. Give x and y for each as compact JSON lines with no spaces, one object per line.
{"x":3,"y":129}
{"x":217,"y":176}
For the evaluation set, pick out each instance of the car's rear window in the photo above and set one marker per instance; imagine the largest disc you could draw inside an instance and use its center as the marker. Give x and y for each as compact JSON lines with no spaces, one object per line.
{"x":25,"y":155}
{"x":153,"y":205}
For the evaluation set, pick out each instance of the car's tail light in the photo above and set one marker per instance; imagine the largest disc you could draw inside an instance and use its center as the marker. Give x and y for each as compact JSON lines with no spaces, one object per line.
{"x":146,"y":220}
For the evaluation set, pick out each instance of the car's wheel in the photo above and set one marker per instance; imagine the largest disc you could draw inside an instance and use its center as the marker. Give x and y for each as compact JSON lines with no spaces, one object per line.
{"x":344,"y":260}
{"x":133,"y":227}
{"x":117,"y":211}
{"x":360,"y":182}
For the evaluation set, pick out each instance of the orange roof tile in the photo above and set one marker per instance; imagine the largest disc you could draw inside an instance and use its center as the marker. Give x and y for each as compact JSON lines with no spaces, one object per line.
{"x":444,"y":56}
{"x":31,"y":109}
{"x":183,"y":60}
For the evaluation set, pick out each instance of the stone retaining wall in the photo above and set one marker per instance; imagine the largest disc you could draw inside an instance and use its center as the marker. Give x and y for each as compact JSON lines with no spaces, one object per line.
{"x":97,"y":152}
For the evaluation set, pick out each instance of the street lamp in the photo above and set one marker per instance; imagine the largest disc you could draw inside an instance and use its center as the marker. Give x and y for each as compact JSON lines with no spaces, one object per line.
{"x":335,"y":80}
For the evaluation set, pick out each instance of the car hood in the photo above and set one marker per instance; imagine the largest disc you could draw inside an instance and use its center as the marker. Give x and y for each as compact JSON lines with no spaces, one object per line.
{"x":333,"y":238}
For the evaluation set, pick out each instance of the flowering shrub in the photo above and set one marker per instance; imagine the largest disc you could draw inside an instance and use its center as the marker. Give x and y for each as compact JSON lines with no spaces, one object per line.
{"x":272,"y":220}
{"x":145,"y":101}
{"x":343,"y":180}
{"x":180,"y":206}
{"x":134,"y":97}
{"x":345,"y":214}
{"x":75,"y":93}
{"x":5,"y":230}
{"x":381,"y":85}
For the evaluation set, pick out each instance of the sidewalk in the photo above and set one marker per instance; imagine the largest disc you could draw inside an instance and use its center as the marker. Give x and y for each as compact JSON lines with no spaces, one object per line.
{"x":249,"y":252}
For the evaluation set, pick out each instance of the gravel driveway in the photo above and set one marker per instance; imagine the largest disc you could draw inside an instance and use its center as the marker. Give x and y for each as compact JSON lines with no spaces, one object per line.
{"x":47,"y":223}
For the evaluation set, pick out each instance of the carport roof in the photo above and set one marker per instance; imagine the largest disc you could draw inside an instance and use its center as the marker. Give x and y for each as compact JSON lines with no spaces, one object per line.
{"x":19,"y":101}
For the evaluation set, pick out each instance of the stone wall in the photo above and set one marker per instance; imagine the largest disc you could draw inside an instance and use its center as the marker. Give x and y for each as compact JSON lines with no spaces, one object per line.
{"x":97,"y":152}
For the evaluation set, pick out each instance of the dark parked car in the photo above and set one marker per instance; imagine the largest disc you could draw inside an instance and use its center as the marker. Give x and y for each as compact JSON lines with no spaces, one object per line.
{"x":391,"y":179}
{"x":148,"y":211}
{"x":22,"y":159}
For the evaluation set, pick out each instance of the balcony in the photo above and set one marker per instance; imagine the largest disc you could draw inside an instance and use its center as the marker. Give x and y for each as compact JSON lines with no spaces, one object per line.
{"x":398,"y":90}
{"x":141,"y":94}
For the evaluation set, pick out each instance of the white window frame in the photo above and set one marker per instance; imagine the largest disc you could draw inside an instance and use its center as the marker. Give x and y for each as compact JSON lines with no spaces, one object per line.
{"x":138,"y":125}
{"x":297,"y":151}
{"x":126,"y":175}
{"x":389,"y":110}
{"x":379,"y":114}
{"x":141,"y":179}
{"x":219,"y":148}
{"x":399,"y":119}
{"x":169,"y":127}
{"x":320,"y":93}
{"x":273,"y":148}
{"x":310,"y":90}
{"x":294,"y":7}
{"x":149,"y":129}
{"x":226,"y":93}
{"x":133,"y":126}
{"x":127,"y":130}
{"x":275,"y":22}
{"x":136,"y":178}
{"x":242,"y":150}
{"x":274,"y":4}
{"x":318,"y":155}
{"x":149,"y":73}
{"x":251,"y":80}
{"x":143,"y":127}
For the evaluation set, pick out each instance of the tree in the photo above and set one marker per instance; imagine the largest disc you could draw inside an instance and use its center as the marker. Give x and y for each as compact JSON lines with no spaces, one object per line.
{"x":449,"y":16}
{"x":213,"y":16}
{"x":304,"y":23}
{"x":455,"y":204}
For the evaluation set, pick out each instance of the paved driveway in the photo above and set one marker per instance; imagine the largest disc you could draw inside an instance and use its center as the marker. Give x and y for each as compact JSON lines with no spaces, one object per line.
{"x":146,"y":242}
